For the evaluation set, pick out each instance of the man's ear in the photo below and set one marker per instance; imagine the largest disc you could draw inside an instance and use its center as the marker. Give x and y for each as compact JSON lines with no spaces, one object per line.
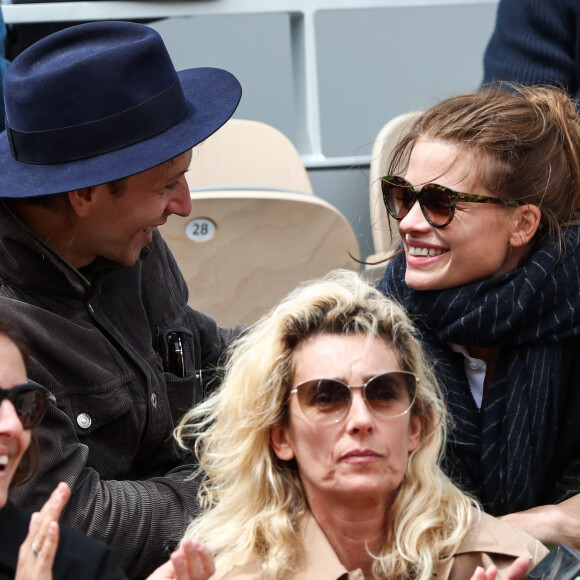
{"x":280,"y":443}
{"x":526,"y":220}
{"x":81,"y":200}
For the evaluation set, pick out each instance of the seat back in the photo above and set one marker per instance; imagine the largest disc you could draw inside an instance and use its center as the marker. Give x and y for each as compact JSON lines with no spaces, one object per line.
{"x":242,"y":251}
{"x":248,"y":154}
{"x":383,"y":228}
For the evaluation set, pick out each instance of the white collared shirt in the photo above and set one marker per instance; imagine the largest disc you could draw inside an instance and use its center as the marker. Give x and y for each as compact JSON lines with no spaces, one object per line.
{"x":475,"y":370}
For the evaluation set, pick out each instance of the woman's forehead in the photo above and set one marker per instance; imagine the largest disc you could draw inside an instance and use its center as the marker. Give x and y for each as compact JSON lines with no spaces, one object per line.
{"x":445,"y":163}
{"x":343,"y":356}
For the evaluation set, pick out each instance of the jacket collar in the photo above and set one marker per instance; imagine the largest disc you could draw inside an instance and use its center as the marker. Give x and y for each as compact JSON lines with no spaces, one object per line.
{"x":322,"y":562}
{"x":30,"y":263}
{"x":320,"y":559}
{"x":487,"y":535}
{"x":483,"y":537}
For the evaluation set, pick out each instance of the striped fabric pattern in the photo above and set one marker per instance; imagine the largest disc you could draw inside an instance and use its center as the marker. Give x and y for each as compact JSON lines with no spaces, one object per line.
{"x":535,"y":42}
{"x":501,"y":453}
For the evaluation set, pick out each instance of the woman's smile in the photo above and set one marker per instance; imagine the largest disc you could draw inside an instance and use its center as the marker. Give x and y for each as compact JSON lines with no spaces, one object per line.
{"x":476,"y":244}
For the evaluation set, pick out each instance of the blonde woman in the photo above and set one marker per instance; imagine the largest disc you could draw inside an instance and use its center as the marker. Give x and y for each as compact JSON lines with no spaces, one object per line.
{"x":320,"y":452}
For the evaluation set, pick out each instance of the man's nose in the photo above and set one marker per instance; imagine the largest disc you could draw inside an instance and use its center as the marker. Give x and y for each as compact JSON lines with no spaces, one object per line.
{"x":180,"y":203}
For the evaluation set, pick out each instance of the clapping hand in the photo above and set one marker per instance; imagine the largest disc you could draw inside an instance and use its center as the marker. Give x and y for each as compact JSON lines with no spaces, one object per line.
{"x":191,"y":561}
{"x":37,"y":552}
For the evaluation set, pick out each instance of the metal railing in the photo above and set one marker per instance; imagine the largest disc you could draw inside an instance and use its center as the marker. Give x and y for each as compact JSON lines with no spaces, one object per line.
{"x":302,"y":35}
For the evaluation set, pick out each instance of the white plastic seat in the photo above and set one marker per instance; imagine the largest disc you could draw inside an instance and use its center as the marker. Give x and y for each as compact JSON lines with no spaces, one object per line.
{"x":256,"y":229}
{"x":248,"y":154}
{"x":383,"y":228}
{"x":242,"y":251}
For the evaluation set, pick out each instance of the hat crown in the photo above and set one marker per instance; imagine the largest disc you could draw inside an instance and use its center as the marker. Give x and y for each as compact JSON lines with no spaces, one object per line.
{"x":84,"y":74}
{"x":101,"y":101}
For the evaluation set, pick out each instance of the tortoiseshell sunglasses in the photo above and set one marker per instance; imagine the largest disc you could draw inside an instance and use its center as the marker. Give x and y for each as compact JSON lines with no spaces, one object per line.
{"x":437,"y":202}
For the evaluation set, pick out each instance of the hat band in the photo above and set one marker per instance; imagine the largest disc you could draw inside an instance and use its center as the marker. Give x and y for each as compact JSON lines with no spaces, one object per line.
{"x":103,"y":136}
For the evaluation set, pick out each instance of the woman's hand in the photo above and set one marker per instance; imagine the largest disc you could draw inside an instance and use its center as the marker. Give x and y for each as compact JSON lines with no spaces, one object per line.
{"x":192,"y":561}
{"x":517,"y":571}
{"x":551,"y":524}
{"x":36,"y":554}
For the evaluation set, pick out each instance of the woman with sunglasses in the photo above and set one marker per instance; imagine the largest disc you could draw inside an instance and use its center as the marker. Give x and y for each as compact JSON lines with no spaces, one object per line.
{"x":318,"y":454}
{"x":35,"y":548}
{"x":486,"y":191}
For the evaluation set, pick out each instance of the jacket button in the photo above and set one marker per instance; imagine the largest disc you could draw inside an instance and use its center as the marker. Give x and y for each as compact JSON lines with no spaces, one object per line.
{"x":154,"y":400}
{"x":84,"y":421}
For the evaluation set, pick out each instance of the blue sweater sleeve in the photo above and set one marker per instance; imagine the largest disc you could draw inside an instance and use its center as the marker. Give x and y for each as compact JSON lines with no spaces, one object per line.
{"x":536,"y":42}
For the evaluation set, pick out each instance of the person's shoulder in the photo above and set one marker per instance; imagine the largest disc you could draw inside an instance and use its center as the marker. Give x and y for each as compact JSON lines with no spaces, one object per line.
{"x":493,"y":541}
{"x":494,"y":534}
{"x":79,"y":556}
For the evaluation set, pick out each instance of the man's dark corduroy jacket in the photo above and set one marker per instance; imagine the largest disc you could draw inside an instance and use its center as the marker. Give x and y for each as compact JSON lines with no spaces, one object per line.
{"x":99,"y":339}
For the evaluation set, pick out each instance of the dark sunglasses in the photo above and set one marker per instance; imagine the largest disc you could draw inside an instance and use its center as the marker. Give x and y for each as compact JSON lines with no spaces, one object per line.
{"x":437,"y":202}
{"x":328,"y":400}
{"x":29,"y":400}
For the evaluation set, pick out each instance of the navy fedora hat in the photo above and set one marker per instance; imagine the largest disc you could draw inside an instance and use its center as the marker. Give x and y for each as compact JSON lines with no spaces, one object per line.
{"x":102,"y":101}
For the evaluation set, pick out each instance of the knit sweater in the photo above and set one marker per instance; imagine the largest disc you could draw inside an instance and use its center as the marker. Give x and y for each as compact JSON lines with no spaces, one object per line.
{"x":536,"y":42}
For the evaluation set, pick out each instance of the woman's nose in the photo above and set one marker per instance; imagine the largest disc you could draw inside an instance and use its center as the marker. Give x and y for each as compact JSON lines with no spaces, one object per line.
{"x":360,"y":417}
{"x":10,"y":423}
{"x":414,"y":221}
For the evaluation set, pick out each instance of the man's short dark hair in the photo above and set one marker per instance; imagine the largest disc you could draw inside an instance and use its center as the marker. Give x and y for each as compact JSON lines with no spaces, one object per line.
{"x":56,"y":201}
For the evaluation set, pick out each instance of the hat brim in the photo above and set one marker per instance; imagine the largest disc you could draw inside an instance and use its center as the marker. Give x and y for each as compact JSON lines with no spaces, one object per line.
{"x":212,"y":96}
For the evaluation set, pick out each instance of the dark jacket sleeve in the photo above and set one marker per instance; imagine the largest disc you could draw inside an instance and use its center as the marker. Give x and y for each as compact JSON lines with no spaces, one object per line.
{"x":140,"y":519}
{"x":535,"y":42}
{"x":109,"y":434}
{"x":563,"y":474}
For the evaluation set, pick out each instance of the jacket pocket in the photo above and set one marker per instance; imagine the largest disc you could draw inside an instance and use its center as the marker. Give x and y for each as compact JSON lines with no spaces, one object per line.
{"x":109,"y":422}
{"x":177,"y":350}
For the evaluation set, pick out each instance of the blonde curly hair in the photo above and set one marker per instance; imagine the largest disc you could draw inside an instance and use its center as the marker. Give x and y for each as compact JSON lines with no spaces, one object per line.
{"x":253,"y":501}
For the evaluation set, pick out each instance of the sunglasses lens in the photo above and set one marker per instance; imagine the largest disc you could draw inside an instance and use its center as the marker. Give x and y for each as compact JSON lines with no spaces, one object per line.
{"x":29,"y":402}
{"x":323,"y":400}
{"x":396,"y":196}
{"x":391,"y":394}
{"x":436,"y":202}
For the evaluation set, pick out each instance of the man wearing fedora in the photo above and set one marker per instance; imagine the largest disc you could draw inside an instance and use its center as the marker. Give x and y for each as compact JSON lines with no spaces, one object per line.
{"x":99,"y":132}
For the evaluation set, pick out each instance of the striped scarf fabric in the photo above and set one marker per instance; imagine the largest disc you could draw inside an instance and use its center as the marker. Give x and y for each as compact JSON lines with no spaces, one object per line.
{"x":501,"y":452}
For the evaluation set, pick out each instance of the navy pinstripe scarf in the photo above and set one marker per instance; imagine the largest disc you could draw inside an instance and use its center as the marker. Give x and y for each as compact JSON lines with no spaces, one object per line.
{"x":500,"y":454}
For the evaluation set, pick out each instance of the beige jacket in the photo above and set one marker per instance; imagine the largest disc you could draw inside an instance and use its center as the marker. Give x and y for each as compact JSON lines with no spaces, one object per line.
{"x":491,"y":541}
